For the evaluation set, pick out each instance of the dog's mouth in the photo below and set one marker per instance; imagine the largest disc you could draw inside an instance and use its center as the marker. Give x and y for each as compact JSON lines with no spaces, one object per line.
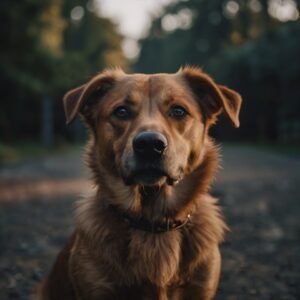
{"x":149,"y":177}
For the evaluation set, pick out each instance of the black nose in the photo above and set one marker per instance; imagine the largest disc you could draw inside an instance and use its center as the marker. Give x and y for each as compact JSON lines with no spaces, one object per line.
{"x":149,"y":144}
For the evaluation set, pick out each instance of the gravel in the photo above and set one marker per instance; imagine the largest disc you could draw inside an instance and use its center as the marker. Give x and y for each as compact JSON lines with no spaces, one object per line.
{"x":259,"y":191}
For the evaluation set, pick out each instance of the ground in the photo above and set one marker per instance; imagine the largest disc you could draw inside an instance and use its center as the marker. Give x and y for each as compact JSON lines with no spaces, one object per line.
{"x":258,"y":190}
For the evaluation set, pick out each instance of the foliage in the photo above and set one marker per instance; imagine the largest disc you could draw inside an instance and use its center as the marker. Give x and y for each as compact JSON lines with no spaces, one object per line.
{"x":44,"y":54}
{"x":241,"y":44}
{"x":266,"y":72}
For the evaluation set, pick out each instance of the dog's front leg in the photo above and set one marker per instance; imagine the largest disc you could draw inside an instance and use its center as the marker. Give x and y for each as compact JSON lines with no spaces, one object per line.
{"x":90,"y":281}
{"x":204,"y":282}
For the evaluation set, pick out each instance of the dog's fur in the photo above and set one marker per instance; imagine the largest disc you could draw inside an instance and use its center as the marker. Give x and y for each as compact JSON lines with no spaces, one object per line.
{"x":107,"y":258}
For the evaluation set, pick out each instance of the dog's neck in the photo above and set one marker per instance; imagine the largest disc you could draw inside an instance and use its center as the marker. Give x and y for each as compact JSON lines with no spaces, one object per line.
{"x":156,"y":203}
{"x":140,"y":223}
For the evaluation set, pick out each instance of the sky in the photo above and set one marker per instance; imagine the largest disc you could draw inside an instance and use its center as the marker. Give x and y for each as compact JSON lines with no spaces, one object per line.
{"x":133,"y":18}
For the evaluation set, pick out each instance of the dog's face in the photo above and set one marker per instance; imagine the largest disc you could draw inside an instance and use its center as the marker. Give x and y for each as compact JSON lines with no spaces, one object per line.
{"x":152,"y":125}
{"x":150,"y":128}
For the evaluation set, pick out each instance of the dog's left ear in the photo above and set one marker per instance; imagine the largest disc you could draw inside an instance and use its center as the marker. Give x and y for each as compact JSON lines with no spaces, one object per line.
{"x":213,"y":97}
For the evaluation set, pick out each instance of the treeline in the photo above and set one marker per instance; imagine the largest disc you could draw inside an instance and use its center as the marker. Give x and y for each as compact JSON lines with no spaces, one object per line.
{"x":50,"y":46}
{"x":46,"y":48}
{"x":253,"y":46}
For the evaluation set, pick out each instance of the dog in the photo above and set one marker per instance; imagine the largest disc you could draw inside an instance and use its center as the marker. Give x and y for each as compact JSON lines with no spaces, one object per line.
{"x":151,"y":230}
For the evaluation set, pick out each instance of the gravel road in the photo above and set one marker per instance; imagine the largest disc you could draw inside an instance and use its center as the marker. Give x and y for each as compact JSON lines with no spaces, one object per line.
{"x":258,"y":189}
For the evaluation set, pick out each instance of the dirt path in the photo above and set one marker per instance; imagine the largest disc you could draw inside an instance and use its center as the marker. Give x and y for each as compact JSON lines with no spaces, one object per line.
{"x":53,"y":176}
{"x":259,"y":192}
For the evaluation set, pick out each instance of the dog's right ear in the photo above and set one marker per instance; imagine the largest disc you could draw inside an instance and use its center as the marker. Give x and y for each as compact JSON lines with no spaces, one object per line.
{"x":81,"y":99}
{"x":72,"y":103}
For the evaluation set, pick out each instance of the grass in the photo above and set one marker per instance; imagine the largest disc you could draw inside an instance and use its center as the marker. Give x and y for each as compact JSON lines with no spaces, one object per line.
{"x":289,"y":149}
{"x":11,"y":154}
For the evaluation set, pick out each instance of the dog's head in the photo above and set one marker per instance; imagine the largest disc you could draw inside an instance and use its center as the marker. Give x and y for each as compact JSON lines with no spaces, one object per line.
{"x":150,"y":129}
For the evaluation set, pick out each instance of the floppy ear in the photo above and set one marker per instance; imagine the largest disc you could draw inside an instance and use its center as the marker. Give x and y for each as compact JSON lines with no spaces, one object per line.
{"x":212,"y":97}
{"x":81,"y":99}
{"x":72,"y":103}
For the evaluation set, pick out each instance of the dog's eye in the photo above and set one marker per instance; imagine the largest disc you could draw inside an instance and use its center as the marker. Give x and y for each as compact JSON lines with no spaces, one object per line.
{"x":122,"y":113}
{"x":178,"y":112}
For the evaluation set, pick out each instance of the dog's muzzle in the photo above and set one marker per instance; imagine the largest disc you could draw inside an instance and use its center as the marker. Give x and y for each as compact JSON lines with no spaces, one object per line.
{"x":149,"y":149}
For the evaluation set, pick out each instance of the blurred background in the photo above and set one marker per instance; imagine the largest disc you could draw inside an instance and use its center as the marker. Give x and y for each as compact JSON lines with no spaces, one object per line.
{"x":48,"y":47}
{"x":253,"y":46}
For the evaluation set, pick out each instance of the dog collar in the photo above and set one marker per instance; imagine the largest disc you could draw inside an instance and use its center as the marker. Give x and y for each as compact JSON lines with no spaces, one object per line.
{"x":148,"y":226}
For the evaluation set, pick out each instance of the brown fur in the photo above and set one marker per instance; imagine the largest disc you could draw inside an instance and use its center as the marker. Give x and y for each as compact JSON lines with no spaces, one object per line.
{"x":106,"y":258}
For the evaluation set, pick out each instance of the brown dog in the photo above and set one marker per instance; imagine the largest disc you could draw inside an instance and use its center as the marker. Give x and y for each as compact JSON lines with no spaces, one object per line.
{"x":151,"y":231}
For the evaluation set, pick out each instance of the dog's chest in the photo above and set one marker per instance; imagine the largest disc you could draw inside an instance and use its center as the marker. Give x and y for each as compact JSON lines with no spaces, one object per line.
{"x":154,"y":257}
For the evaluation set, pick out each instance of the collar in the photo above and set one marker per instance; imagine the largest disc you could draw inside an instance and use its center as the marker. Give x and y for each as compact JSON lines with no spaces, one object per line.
{"x":148,"y":226}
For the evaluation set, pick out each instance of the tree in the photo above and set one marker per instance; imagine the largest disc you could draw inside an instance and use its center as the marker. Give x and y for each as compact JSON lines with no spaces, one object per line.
{"x":21,"y":60}
{"x":46,"y":53}
{"x":248,"y":45}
